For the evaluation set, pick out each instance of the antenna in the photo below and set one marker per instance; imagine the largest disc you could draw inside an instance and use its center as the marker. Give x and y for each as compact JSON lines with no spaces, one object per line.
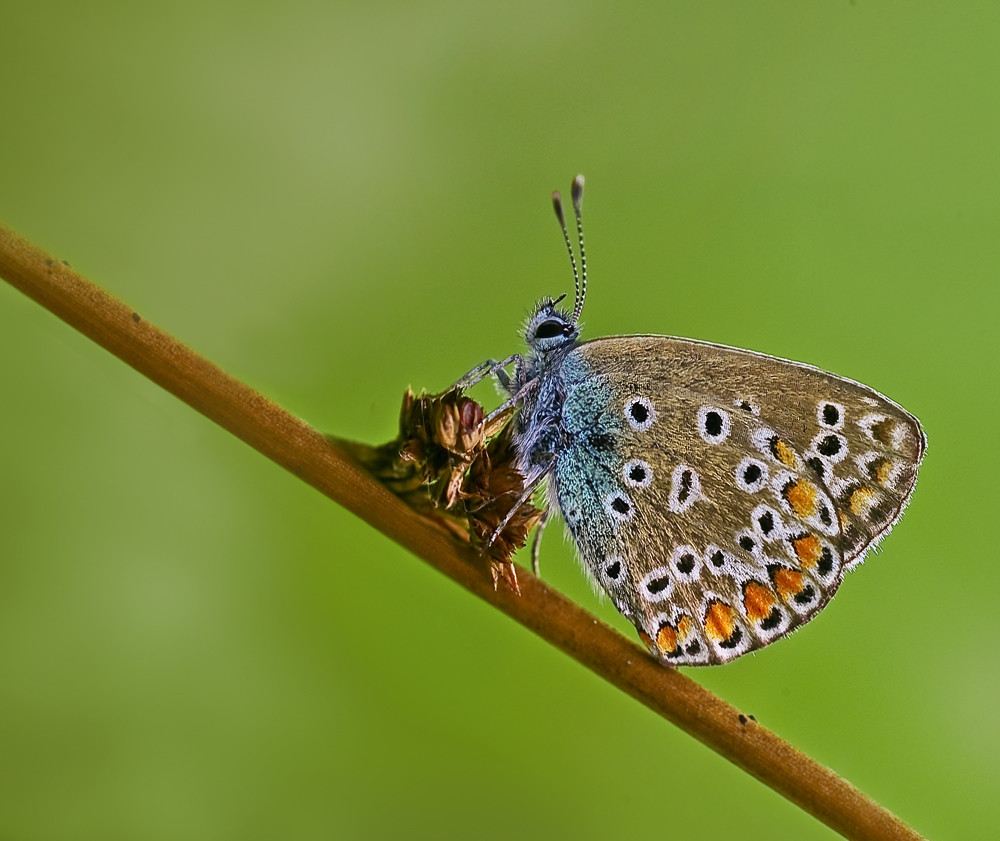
{"x":557,"y":206}
{"x":577,"y":194}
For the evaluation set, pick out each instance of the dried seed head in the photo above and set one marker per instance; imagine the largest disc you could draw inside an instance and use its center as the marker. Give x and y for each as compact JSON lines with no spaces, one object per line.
{"x":448,"y":465}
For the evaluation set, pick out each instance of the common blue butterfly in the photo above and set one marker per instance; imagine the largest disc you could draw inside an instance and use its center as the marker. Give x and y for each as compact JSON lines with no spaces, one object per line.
{"x":718,"y":496}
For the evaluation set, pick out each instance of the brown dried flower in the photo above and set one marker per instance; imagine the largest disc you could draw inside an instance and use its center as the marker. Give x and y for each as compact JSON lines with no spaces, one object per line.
{"x":458,"y":471}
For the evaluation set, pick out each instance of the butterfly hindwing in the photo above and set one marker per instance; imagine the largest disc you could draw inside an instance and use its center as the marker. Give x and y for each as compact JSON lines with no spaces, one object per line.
{"x":718,"y":495}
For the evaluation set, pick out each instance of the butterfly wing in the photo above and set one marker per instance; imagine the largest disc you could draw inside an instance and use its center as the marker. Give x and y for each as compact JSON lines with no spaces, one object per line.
{"x":718,"y":495}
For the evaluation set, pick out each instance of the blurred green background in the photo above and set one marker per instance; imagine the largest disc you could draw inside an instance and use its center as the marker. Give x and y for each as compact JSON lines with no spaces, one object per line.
{"x":335,"y":201}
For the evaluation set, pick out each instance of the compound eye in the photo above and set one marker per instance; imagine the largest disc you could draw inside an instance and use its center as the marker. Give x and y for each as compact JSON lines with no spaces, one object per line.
{"x":550,"y":329}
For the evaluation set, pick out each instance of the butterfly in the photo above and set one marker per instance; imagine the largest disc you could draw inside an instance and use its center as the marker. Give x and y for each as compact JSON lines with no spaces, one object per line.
{"x":718,"y":496}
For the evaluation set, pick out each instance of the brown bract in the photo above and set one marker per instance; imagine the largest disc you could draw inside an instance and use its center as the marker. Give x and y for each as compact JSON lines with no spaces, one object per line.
{"x":458,"y":471}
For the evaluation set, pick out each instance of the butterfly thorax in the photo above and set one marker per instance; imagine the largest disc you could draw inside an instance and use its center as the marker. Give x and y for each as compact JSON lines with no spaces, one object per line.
{"x":539,"y":424}
{"x":540,"y":389}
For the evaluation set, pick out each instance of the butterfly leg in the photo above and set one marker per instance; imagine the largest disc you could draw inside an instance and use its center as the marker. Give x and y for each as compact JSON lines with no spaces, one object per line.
{"x":528,"y":492}
{"x":536,"y":544}
{"x":490,"y":366}
{"x":517,"y":397}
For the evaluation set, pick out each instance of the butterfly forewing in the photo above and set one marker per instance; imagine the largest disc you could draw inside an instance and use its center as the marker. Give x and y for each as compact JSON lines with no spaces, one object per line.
{"x":718,"y":495}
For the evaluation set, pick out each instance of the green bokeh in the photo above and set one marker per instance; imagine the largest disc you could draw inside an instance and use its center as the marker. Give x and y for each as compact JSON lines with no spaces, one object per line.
{"x":333,"y":201}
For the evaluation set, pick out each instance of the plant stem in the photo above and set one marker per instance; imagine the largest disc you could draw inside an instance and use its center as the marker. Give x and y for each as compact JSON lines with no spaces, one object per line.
{"x":328,"y":467}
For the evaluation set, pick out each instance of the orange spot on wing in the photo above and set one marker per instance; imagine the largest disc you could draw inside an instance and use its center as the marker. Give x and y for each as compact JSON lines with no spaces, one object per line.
{"x":883,"y":473}
{"x":758,"y":601}
{"x":684,"y":627}
{"x":785,"y":454}
{"x":789,"y":582}
{"x":861,"y":500}
{"x":666,"y":640}
{"x":719,"y":621}
{"x":808,"y":549}
{"x":801,"y":495}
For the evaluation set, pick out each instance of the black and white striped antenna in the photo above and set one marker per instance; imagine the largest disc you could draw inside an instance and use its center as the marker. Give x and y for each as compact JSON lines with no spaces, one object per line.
{"x":579,"y":277}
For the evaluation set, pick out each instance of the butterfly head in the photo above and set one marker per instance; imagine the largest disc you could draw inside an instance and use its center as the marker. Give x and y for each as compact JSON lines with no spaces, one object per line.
{"x":550,"y":327}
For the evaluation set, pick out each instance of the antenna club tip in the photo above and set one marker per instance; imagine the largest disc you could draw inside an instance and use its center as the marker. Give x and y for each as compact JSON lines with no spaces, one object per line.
{"x":557,"y":205}
{"x":577,"y":191}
